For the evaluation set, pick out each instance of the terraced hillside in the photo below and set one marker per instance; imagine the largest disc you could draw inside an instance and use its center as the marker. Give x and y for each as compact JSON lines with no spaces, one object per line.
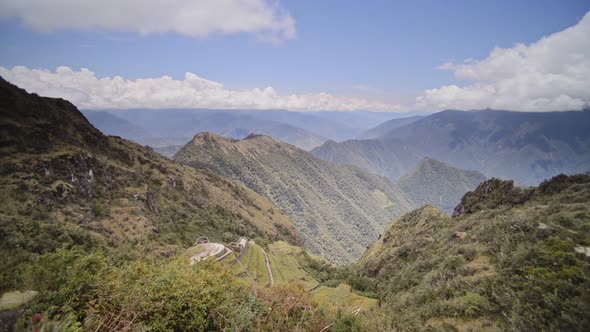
{"x":286,"y":267}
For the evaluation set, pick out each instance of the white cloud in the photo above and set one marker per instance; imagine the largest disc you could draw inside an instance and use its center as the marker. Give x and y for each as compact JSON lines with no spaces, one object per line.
{"x":552,"y":74}
{"x":87,"y":91}
{"x":195,"y":18}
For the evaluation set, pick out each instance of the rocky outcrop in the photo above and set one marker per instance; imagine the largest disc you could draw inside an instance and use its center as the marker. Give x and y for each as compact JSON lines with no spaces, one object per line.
{"x":491,"y":194}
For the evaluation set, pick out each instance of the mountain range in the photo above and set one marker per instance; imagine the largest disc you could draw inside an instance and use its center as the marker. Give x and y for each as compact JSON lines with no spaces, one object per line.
{"x":176,"y":127}
{"x":167,"y":129}
{"x":97,"y":233}
{"x":527,"y":147}
{"x":338,"y":209}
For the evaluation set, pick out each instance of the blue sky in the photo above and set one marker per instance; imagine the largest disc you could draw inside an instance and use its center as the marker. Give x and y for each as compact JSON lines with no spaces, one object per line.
{"x":383,"y":50}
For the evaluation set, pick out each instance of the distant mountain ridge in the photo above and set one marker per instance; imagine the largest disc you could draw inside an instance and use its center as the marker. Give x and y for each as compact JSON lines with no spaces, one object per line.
{"x":434,"y":182}
{"x":338,"y":209}
{"x":163,"y":128}
{"x":526,"y":147}
{"x":386,"y":127}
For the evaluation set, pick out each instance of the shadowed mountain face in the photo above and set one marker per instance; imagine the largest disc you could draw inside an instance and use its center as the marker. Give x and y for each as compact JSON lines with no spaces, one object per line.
{"x":509,"y":259}
{"x":111,"y":124}
{"x":338,"y":209}
{"x":65,"y":184}
{"x":386,"y":127}
{"x":527,"y":147}
{"x":434,"y":182}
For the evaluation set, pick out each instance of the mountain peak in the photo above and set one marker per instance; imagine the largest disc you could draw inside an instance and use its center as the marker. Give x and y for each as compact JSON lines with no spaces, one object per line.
{"x":491,"y":194}
{"x":435,"y":182}
{"x":61,"y":123}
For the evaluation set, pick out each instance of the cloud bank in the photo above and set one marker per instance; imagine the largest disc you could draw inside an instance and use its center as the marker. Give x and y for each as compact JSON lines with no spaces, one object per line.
{"x":194,"y":18}
{"x":87,"y":91}
{"x":552,"y":74}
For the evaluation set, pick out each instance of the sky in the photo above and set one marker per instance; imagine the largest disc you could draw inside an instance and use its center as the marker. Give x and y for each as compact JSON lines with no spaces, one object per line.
{"x":301,"y":55}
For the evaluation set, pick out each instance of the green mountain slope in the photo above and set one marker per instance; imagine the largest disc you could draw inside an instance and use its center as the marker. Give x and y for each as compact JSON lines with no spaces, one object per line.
{"x":338,"y":209}
{"x":434,"y":182}
{"x":509,"y":259}
{"x":65,"y":184}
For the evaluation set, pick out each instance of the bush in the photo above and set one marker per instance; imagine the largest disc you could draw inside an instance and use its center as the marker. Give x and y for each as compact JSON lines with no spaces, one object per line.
{"x":162,"y":297}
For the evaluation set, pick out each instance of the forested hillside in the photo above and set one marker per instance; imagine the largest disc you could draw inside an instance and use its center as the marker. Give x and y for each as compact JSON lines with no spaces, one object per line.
{"x":434,"y":182}
{"x":338,"y":209}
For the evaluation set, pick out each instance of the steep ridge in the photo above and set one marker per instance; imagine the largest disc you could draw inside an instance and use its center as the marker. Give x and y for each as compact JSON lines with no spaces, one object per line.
{"x":338,"y":209}
{"x":526,"y":147}
{"x":434,"y":182}
{"x":65,"y":184}
{"x":509,"y":259}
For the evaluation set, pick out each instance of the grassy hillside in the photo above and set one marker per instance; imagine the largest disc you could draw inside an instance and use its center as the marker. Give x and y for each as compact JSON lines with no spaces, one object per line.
{"x":510,"y":259}
{"x":339,"y":210}
{"x":434,"y":182}
{"x":291,"y":265}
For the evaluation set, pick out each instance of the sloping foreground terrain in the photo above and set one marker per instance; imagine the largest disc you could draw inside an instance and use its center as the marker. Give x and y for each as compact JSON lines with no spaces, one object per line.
{"x":96,"y":225}
{"x":507,"y":260}
{"x":339,"y":210}
{"x":527,"y":147}
{"x":434,"y":182}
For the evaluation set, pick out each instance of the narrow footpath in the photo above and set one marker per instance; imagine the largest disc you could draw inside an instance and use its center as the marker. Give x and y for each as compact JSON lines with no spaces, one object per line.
{"x":267,"y":261}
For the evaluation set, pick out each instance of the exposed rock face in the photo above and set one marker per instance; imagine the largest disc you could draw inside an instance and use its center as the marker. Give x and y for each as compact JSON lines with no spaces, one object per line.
{"x":150,"y":201}
{"x":491,"y":194}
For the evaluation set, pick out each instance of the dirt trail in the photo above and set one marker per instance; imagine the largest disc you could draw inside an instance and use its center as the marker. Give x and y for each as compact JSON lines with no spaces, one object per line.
{"x":267,"y":261}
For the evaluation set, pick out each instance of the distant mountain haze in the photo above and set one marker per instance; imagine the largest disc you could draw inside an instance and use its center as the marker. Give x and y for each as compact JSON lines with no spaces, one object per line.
{"x":166,"y":128}
{"x":338,"y":209}
{"x":386,"y":127}
{"x":526,"y":147}
{"x":176,"y":127}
